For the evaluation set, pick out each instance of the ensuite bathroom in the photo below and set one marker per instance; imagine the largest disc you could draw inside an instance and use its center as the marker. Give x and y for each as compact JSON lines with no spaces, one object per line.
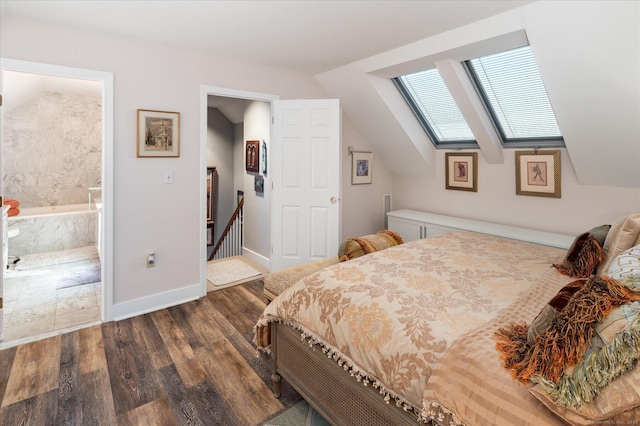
{"x":52,"y":171}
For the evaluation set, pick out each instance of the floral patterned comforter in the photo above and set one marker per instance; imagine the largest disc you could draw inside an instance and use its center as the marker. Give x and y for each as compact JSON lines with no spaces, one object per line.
{"x":390,"y":315}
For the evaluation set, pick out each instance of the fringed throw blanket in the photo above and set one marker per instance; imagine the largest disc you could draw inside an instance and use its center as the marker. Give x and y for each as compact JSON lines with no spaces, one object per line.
{"x":568,"y":336}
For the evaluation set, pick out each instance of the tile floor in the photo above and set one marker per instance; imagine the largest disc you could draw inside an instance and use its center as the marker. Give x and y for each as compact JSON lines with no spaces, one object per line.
{"x":34,"y":308}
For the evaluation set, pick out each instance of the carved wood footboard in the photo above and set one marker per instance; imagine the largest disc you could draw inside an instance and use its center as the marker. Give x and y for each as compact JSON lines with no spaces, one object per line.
{"x":331,"y":390}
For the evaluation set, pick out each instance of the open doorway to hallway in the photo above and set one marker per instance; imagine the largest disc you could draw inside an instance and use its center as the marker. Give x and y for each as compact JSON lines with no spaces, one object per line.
{"x":235,"y":206}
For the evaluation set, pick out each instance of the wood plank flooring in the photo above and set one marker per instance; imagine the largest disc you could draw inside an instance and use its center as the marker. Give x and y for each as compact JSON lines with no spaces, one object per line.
{"x":192,"y":364}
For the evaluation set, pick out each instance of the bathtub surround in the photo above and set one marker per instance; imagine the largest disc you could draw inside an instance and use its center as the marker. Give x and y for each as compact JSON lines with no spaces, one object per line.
{"x":54,"y":231}
{"x":52,"y":150}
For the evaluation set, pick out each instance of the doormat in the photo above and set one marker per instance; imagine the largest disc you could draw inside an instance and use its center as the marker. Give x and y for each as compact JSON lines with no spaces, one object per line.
{"x":80,"y":275}
{"x":229,"y":271}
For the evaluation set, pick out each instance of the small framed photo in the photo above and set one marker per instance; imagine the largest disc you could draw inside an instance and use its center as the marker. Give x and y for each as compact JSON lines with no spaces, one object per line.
{"x":258,"y":184}
{"x":252,"y":156}
{"x":538,"y":173}
{"x":158,"y":133}
{"x":361,"y":167}
{"x":462,"y":171}
{"x":210,"y":235}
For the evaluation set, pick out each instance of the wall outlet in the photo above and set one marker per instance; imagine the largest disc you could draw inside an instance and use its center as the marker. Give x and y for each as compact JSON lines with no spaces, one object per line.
{"x":151,"y":260}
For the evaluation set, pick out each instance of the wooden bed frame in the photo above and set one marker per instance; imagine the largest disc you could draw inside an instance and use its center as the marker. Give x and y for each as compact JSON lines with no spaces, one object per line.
{"x":326,"y":386}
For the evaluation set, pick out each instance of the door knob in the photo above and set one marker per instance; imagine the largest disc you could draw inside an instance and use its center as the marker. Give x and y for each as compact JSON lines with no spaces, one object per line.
{"x":334,"y":200}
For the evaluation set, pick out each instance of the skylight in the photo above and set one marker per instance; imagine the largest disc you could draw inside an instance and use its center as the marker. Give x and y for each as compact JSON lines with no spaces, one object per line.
{"x":509,"y":85}
{"x":434,"y":106}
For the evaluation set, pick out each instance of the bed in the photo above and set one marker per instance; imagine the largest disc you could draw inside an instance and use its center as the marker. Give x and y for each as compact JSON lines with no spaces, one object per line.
{"x":406,"y":335}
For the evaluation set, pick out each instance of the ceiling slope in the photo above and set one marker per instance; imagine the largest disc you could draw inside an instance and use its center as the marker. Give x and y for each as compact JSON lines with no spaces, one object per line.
{"x":588,"y":54}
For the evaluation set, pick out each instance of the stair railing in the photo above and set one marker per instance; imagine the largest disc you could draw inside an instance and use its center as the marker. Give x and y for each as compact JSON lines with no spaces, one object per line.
{"x":230,"y":242}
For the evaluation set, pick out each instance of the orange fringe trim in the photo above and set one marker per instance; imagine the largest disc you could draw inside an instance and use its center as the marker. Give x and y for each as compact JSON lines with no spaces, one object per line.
{"x":582,"y":262}
{"x":568,"y":337}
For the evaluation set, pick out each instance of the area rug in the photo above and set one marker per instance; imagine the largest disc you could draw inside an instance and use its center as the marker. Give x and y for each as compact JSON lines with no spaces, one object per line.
{"x":79,"y":275}
{"x":229,"y":271}
{"x":42,"y":260}
{"x":301,"y":414}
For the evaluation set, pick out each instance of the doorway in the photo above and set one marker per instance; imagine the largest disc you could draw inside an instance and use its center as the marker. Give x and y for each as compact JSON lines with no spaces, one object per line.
{"x":236,"y":107}
{"x":50,"y":282}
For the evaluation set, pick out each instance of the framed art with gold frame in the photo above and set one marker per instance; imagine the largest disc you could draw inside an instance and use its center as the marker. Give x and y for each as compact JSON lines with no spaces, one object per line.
{"x":538,"y":173}
{"x":158,"y":133}
{"x":462,"y":171}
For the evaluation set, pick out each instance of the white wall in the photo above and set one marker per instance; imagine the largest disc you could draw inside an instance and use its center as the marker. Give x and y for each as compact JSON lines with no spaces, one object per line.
{"x":257,"y":213}
{"x":580,"y":208}
{"x":148,"y":214}
{"x":362,"y":205}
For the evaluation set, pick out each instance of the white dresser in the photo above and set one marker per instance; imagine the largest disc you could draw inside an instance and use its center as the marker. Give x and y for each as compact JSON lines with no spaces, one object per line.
{"x":413,"y":225}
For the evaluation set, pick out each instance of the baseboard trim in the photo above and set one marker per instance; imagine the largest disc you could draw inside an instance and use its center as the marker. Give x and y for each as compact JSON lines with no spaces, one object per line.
{"x":156,"y":302}
{"x":257,"y":258}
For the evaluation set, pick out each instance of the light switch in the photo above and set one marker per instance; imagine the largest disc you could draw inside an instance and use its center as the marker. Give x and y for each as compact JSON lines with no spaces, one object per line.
{"x":168,"y":176}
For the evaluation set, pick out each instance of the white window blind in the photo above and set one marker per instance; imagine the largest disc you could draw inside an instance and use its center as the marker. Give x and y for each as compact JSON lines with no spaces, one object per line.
{"x":433,"y":101}
{"x":514,"y":90}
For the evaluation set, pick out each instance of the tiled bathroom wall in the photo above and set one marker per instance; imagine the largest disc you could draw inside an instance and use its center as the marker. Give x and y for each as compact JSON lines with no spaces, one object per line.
{"x":52,"y":150}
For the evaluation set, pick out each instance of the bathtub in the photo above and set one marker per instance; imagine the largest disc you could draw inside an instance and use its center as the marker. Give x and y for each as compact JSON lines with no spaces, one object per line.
{"x":53,"y":228}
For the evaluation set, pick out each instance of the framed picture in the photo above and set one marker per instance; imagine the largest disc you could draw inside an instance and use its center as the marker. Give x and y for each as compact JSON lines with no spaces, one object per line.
{"x":252,"y":156}
{"x":264,"y":158}
{"x":538,"y":173}
{"x":462,"y":171}
{"x":258,"y":184}
{"x":158,"y":133}
{"x":211,"y":192}
{"x":361,"y":167}
{"x":210,"y":235}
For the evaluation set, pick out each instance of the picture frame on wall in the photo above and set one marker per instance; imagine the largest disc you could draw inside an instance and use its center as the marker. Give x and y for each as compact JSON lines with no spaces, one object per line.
{"x":361,"y":167}
{"x":252,"y":156}
{"x":258,"y":184}
{"x":538,"y":173}
{"x":210,"y":193}
{"x":461,"y":171}
{"x":158,"y":133}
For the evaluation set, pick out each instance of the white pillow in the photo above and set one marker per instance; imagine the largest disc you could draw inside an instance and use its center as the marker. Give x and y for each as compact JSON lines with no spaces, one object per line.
{"x":625,"y":264}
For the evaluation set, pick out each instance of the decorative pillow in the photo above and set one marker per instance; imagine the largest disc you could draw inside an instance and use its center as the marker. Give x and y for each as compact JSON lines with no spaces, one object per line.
{"x":606,"y":382}
{"x":567,"y":338}
{"x":551,"y":310}
{"x":626,"y":264}
{"x":583,"y":256}
{"x":614,"y":405}
{"x":624,"y":234}
{"x":358,"y":246}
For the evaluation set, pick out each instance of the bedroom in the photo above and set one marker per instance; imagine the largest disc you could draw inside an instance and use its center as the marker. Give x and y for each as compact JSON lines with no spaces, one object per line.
{"x":600,"y":166}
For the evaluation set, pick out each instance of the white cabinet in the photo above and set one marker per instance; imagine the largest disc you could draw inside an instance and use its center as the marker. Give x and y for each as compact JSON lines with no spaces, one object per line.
{"x":413,"y":225}
{"x":411,"y":229}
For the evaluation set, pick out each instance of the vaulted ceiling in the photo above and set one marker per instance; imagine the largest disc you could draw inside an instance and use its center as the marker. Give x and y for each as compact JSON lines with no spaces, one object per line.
{"x":588,"y":53}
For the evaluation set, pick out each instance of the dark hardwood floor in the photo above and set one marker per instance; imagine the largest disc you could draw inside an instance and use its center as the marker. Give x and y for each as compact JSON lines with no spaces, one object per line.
{"x":192,"y":364}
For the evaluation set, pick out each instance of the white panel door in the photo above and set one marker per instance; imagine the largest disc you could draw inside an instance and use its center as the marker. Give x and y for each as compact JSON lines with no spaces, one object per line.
{"x":305,"y":161}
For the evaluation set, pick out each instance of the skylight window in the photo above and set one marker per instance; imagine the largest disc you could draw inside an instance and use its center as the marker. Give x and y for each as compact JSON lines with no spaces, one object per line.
{"x":511,"y":89}
{"x":434,"y":107}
